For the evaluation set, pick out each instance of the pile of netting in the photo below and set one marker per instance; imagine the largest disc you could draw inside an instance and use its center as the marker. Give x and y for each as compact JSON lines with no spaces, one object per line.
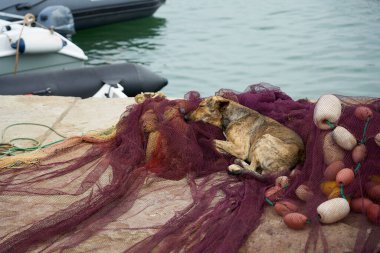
{"x":85,"y":186}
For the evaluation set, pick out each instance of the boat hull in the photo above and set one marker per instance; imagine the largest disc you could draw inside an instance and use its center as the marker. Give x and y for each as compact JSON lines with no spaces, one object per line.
{"x":83,"y":82}
{"x":89,"y":13}
{"x":38,"y":49}
{"x":102,"y":15}
{"x":38,"y":63}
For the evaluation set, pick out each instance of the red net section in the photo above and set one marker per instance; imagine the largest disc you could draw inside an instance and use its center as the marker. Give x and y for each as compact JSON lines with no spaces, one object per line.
{"x":106,"y":193}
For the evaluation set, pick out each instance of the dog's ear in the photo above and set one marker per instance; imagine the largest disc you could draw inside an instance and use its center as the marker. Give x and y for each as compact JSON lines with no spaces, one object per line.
{"x":223,"y":104}
{"x":217,"y":103}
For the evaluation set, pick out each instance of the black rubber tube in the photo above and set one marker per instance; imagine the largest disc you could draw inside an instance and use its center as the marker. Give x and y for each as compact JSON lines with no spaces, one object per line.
{"x":84,"y":82}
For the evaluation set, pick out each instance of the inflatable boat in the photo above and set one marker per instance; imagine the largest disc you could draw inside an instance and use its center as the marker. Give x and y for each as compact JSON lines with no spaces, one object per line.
{"x":87,"y":13}
{"x":84,"y":82}
{"x":24,"y":47}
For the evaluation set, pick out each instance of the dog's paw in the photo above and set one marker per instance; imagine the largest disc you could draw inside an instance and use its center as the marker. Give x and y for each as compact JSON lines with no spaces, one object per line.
{"x":221,"y":151}
{"x":218,"y":147}
{"x":241,"y":163}
{"x":235,"y":169}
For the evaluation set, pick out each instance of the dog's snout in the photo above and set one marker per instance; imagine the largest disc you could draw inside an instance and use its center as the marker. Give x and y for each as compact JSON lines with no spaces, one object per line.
{"x":186,"y":117}
{"x":182,"y":111}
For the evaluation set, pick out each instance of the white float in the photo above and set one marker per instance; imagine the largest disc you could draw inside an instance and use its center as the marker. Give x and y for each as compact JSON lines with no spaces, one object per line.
{"x":333,"y":210}
{"x":36,"y":41}
{"x":344,"y":138}
{"x":328,"y":108}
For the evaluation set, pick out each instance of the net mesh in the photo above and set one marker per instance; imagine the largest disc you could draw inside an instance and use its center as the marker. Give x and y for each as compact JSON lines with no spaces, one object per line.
{"x":157,"y":184}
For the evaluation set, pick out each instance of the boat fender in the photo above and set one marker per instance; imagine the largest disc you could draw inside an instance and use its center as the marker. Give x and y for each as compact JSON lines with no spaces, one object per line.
{"x":21,"y":48}
{"x":44,"y":43}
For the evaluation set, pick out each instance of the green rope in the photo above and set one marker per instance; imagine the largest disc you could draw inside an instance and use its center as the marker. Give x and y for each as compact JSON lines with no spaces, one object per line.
{"x":269,"y":201}
{"x":364,"y":138}
{"x":30,"y":124}
{"x":52,"y":143}
{"x":9,"y":149}
{"x":357,"y":168}
{"x":330,"y":124}
{"x":342,"y":191}
{"x":363,"y":141}
{"x":36,"y":143}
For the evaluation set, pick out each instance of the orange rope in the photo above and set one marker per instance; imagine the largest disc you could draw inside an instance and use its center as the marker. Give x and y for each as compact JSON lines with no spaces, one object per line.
{"x":28,"y":19}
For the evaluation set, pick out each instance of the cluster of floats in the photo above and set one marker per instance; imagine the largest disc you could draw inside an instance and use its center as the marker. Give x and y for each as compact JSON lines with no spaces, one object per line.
{"x":37,"y":57}
{"x":337,"y":175}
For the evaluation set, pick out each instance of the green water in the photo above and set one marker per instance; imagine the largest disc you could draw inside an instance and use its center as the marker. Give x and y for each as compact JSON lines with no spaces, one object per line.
{"x":307,"y":48}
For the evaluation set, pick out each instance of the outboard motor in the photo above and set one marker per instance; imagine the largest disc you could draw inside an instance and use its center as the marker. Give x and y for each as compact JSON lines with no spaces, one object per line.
{"x":59,"y":18}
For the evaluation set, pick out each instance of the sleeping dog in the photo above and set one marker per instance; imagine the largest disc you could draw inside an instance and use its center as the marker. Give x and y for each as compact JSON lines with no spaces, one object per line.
{"x":264,"y":143}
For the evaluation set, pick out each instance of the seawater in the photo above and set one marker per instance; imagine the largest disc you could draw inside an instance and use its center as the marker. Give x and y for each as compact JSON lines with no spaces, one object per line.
{"x":307,"y":48}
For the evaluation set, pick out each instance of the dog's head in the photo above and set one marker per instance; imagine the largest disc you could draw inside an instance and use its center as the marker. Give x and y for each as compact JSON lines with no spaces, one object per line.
{"x":210,"y":110}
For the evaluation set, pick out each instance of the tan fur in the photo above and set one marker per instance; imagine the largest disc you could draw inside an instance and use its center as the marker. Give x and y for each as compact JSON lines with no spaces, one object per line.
{"x":265,"y":144}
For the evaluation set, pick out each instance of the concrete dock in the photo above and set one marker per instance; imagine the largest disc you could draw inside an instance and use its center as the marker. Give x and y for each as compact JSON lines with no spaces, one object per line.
{"x":74,"y":116}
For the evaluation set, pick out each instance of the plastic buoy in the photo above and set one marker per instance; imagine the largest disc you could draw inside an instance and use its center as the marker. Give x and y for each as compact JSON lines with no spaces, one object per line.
{"x":327,"y":187}
{"x":359,"y":153}
{"x":273,"y":193}
{"x":345,"y":176}
{"x":284,"y":207}
{"x":377,"y":139}
{"x":363,"y":113}
{"x":282,"y":181}
{"x":373,"y":213}
{"x":304,"y":193}
{"x":344,"y":138}
{"x":374,"y":192}
{"x":295,"y":220}
{"x":331,"y":151}
{"x":360,"y":205}
{"x":327,"y":109}
{"x":333,"y":169}
{"x":335,"y":193}
{"x":333,"y":210}
{"x":295,"y":173}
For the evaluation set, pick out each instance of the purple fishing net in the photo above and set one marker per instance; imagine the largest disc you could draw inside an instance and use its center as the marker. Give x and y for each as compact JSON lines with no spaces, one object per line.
{"x":86,"y":190}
